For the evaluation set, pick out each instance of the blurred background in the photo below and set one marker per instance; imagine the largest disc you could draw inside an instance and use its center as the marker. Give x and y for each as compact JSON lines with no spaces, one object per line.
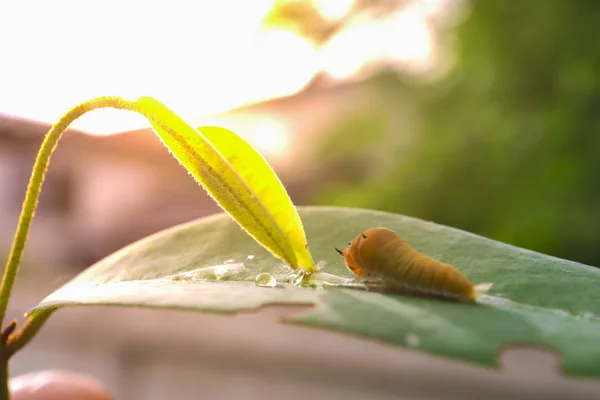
{"x":481,"y":115}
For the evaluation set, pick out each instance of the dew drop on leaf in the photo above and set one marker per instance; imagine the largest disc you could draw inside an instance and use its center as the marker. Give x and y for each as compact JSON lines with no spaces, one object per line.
{"x":265,"y":280}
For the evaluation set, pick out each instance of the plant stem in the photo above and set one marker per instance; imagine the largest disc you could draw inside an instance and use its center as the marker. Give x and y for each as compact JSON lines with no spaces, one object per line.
{"x":14,"y":341}
{"x":23,"y":335}
{"x":4,"y":357}
{"x":4,"y":391}
{"x":35,"y":185}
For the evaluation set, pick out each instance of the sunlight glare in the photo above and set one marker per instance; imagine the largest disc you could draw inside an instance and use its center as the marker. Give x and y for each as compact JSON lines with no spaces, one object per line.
{"x":414,"y":39}
{"x":269,"y":135}
{"x":282,"y":63}
{"x":199,"y":58}
{"x":402,"y":38}
{"x":186,"y":54}
{"x":333,"y":9}
{"x":345,"y":54}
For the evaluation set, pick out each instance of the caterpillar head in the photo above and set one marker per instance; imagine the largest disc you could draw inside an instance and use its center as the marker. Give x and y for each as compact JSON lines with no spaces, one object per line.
{"x":361,"y":254}
{"x":352,"y":257}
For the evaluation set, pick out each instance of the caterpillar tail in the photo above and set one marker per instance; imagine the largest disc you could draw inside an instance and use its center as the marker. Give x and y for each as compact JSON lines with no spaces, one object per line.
{"x":480,"y":289}
{"x":476,"y":291}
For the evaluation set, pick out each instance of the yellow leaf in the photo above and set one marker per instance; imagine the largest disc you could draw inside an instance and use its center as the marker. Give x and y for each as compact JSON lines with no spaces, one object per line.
{"x":239,"y":179}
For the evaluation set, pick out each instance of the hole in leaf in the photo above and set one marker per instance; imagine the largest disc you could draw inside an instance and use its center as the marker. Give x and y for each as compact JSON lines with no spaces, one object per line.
{"x":531,"y":361}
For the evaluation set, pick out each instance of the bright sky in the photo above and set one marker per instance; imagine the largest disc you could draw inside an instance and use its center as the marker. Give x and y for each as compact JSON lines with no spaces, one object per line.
{"x":197,"y":57}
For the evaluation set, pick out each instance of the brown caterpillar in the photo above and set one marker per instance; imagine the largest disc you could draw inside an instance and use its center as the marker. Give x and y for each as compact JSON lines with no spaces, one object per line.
{"x":382,"y":253}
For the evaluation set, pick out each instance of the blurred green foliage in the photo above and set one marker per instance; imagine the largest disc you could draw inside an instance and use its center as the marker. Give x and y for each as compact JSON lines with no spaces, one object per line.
{"x":507,"y":145}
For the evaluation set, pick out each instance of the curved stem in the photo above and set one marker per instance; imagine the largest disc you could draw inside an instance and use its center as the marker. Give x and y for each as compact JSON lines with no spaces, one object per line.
{"x":35,"y":185}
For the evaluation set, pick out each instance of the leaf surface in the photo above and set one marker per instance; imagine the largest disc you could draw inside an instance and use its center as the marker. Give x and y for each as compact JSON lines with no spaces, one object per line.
{"x":210,"y":265}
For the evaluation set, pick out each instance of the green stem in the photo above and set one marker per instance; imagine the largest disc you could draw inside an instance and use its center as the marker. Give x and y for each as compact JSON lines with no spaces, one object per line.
{"x":35,"y":185}
{"x":13,"y":342}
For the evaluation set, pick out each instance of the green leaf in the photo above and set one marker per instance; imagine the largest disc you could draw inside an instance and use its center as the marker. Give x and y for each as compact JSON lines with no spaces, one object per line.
{"x":238,"y":178}
{"x":210,"y":265}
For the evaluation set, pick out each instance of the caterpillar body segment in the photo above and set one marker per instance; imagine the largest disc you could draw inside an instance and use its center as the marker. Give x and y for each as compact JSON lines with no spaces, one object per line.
{"x":382,"y":253}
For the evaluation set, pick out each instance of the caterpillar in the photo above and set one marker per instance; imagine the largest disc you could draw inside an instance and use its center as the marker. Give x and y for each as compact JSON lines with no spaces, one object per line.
{"x":381,"y":253}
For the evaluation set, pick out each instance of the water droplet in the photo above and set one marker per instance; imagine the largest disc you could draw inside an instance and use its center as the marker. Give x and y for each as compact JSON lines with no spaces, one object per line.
{"x":220,"y":271}
{"x":212,"y":273}
{"x":250,"y":257}
{"x":295,"y":277}
{"x":265,"y":280}
{"x":320,"y":265}
{"x":412,"y":340}
{"x":299,"y":278}
{"x":290,"y":276}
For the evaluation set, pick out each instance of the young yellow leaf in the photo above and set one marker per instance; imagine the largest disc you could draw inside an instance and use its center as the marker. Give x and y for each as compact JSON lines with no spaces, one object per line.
{"x":238,"y":178}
